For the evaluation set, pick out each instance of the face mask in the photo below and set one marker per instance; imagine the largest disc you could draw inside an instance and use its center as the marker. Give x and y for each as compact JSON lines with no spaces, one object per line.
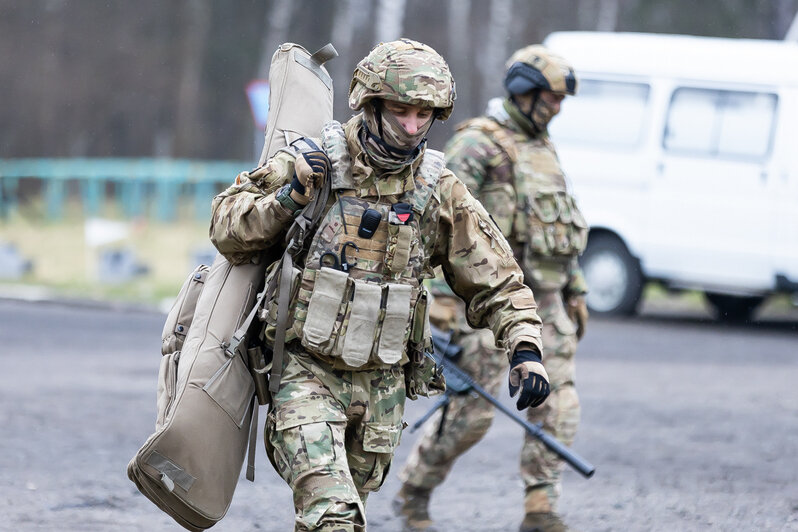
{"x":387,"y":142}
{"x":541,"y":114}
{"x":534,"y":122}
{"x":396,"y":135}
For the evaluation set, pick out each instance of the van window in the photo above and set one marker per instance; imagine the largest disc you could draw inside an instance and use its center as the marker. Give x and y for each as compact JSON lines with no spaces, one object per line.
{"x":718,"y":123}
{"x":609,"y":113}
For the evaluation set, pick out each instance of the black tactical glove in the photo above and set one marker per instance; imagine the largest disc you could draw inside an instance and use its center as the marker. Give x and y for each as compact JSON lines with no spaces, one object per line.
{"x":310,"y":172}
{"x":528,"y":374}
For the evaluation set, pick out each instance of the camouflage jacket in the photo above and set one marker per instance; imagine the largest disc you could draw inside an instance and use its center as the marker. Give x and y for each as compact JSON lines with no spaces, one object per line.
{"x":457,"y":234}
{"x":480,"y":158}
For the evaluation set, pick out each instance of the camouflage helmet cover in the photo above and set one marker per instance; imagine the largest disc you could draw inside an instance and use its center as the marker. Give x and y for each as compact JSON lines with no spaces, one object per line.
{"x":536,"y":67}
{"x":404,"y":71}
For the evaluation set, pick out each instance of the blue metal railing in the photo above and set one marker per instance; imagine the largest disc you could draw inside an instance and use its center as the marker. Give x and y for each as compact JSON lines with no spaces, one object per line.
{"x":141,"y":186}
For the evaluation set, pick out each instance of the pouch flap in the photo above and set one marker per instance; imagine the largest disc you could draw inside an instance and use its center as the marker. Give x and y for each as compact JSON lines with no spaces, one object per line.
{"x":307,"y":410}
{"x":394,"y":325}
{"x":381,"y":438}
{"x":328,"y":295}
{"x":359,"y":338}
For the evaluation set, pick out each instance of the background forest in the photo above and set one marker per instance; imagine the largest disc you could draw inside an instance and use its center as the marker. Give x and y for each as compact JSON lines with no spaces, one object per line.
{"x":150,"y":78}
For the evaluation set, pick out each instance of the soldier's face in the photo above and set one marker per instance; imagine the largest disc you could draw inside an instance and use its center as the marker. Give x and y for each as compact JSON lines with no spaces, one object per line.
{"x":551,"y":99}
{"x":411,"y":117}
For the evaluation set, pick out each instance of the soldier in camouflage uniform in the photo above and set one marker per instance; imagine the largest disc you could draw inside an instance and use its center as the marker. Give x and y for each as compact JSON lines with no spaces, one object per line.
{"x":508,"y":162}
{"x":357,"y":331}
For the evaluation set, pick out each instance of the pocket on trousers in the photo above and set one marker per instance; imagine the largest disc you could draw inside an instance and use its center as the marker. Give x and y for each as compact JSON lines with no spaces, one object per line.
{"x":231,"y":387}
{"x":298,"y":448}
{"x":381,"y":440}
{"x":381,"y":437}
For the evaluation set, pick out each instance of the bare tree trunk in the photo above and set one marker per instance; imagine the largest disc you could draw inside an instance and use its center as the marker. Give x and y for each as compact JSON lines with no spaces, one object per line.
{"x":586,"y":14}
{"x":607,"y":19}
{"x":792,"y":31}
{"x":278,"y":24}
{"x":459,"y":53}
{"x":390,"y":20}
{"x":189,"y":137}
{"x":350,"y":15}
{"x":495,"y":53}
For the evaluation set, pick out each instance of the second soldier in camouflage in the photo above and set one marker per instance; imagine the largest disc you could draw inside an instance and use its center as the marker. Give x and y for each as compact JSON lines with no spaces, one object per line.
{"x":508,"y":162}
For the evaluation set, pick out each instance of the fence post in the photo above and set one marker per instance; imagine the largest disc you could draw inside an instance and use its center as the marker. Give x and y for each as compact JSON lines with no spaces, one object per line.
{"x":54,"y":198}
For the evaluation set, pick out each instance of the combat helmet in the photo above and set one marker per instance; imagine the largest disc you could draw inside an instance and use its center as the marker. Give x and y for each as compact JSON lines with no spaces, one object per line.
{"x":535,"y":67}
{"x":404,"y":71}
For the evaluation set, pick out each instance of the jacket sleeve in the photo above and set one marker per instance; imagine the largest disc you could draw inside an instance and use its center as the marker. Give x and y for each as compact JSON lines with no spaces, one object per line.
{"x":479,"y":266}
{"x":247,"y":219}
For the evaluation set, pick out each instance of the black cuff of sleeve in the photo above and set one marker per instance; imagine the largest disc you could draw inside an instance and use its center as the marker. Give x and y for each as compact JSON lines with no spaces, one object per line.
{"x":297,"y":185}
{"x":525,"y":355}
{"x":284,"y":198}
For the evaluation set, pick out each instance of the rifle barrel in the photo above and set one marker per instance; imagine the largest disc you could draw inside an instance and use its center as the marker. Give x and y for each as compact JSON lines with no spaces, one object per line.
{"x":553,"y":444}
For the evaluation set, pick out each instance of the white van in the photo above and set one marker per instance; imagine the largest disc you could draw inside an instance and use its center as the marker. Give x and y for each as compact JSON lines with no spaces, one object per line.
{"x":683,"y":155}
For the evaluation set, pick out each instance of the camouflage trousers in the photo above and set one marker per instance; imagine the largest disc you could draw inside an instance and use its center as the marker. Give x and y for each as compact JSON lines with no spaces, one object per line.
{"x":331,"y":435}
{"x":469,"y":418}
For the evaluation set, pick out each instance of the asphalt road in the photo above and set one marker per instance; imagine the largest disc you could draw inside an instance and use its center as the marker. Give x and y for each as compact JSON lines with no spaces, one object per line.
{"x":692,"y":426}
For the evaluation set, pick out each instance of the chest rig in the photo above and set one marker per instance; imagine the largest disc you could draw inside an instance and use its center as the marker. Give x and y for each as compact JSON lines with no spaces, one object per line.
{"x":358,"y":298}
{"x":544,"y":217}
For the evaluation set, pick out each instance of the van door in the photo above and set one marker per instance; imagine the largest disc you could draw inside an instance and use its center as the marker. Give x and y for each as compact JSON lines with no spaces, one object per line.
{"x":785,"y":177}
{"x":711,"y":210}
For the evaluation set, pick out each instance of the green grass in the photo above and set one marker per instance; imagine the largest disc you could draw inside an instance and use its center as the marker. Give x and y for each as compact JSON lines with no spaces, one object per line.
{"x":65,"y":264}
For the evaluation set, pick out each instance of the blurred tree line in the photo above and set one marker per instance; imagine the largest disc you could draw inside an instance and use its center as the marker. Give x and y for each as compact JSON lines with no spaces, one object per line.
{"x":153,"y":78}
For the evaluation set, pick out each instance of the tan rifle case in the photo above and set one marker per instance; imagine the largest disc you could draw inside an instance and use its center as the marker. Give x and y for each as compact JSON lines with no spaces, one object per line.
{"x":300,"y":97}
{"x":191,"y":465}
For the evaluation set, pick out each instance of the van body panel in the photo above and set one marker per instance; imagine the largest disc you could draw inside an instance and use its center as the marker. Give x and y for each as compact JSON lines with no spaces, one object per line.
{"x":686,"y":148}
{"x":784,"y":176}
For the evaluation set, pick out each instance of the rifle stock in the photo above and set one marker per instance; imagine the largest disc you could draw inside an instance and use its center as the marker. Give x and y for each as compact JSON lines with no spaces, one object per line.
{"x":464,"y":382}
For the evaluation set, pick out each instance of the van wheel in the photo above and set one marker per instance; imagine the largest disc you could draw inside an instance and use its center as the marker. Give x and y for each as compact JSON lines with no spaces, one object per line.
{"x":613,"y":276}
{"x":734,"y":309}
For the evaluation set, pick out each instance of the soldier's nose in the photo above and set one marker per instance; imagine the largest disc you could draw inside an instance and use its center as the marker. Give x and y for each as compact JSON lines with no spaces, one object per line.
{"x":412,"y":125}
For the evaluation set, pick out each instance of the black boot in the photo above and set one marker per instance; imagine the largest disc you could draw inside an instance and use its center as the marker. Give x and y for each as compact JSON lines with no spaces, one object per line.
{"x":543,"y":522}
{"x":411,"y":505}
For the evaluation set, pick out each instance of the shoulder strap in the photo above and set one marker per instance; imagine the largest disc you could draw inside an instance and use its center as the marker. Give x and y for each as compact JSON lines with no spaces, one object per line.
{"x":333,"y":140}
{"x":496,"y":132}
{"x":303,"y":225}
{"x":429,"y":173}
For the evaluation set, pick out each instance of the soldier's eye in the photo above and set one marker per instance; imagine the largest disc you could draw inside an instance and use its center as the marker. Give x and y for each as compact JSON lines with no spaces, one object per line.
{"x":395,"y":108}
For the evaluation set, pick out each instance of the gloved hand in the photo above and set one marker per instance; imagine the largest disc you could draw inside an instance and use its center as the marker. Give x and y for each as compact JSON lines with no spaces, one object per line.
{"x":576,"y":307}
{"x":528,"y":374}
{"x":310,"y":171}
